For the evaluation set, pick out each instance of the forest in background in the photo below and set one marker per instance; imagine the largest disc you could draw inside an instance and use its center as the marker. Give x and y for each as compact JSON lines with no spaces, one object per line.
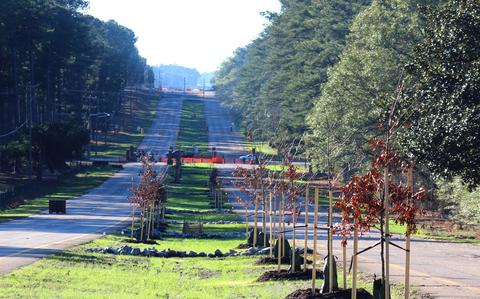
{"x":324,"y":74}
{"x":60,"y":70}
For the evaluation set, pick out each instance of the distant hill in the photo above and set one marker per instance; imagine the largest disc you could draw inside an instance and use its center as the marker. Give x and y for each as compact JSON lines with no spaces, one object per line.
{"x":173,"y":76}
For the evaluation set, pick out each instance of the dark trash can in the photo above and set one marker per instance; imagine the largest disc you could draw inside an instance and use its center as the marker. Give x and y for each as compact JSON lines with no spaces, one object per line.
{"x":57,"y":206}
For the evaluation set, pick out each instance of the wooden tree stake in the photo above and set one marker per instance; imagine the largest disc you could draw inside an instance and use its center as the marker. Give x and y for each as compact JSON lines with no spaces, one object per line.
{"x":246,"y":220}
{"x":270,"y":222}
{"x":255,"y":222}
{"x":330,"y":242}
{"x":279,"y":242}
{"x":283,"y":225}
{"x":387,"y":235}
{"x":294,"y":235}
{"x":407,"y":242}
{"x":264,"y":220}
{"x":355,"y":250}
{"x":315,"y":221}
{"x":305,"y":245}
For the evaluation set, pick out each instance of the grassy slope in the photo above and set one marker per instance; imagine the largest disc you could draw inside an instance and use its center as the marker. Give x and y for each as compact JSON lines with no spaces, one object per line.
{"x":68,"y":187}
{"x":143,"y":114}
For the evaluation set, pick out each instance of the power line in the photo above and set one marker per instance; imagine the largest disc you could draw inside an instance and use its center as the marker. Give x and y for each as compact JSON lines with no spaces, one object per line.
{"x":13,"y":131}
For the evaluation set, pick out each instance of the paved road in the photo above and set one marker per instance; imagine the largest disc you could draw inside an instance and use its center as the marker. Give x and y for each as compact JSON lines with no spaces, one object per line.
{"x":102,"y":209}
{"x":441,"y":269}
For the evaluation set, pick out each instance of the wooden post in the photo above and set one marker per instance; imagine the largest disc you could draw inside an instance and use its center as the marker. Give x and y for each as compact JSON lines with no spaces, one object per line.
{"x":344,"y":257}
{"x":134,"y":207}
{"x":315,"y":223}
{"x":355,"y":250}
{"x":281,"y":236}
{"x":330,"y":241}
{"x":255,"y":222}
{"x":305,"y":243}
{"x":284,"y":237}
{"x":294,"y":235}
{"x":270,"y":220}
{"x":344,"y":253}
{"x":246,"y":219}
{"x":279,"y":242}
{"x":387,"y":234}
{"x":275,"y":219}
{"x":407,"y":241}
{"x":264,"y":220}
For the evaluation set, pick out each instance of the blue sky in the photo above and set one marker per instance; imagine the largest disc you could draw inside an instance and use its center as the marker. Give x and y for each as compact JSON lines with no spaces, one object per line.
{"x":193,"y":33}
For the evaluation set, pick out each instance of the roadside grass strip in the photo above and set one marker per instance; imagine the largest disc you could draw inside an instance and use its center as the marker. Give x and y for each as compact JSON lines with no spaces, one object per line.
{"x":69,"y":186}
{"x":143,"y":113}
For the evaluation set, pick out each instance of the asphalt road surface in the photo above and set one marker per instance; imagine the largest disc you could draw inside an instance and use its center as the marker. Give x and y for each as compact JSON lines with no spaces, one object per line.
{"x":102,"y":209}
{"x":439,"y":269}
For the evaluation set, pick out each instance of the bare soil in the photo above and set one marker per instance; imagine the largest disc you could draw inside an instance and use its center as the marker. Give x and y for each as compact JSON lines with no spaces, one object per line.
{"x":339,"y":294}
{"x":285,"y":275}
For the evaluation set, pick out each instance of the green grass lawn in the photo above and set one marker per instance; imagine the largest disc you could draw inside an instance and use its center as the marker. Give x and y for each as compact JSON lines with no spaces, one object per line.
{"x":77,"y":274}
{"x":68,"y":186}
{"x":193,"y":127}
{"x":143,"y":114}
{"x":192,"y":194}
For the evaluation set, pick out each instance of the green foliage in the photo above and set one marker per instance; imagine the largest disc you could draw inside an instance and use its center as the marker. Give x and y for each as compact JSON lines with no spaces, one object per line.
{"x":445,"y":133}
{"x":57,"y":143}
{"x":361,"y":85}
{"x":271,"y":83}
{"x":57,"y":64}
{"x":458,"y":202}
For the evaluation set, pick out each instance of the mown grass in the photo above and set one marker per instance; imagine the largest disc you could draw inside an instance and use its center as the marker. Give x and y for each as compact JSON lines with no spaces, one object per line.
{"x":143,"y":114}
{"x":193,"y":127}
{"x":77,"y":274}
{"x":192,"y":195}
{"x":67,"y":187}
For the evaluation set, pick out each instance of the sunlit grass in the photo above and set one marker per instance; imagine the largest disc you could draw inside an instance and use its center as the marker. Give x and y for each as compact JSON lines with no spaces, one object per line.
{"x":143,"y":114}
{"x":193,"y":127}
{"x":67,"y":187}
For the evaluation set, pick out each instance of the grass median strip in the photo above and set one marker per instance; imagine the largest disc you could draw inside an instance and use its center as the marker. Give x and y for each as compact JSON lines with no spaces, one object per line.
{"x":69,"y":186}
{"x":193,"y":127}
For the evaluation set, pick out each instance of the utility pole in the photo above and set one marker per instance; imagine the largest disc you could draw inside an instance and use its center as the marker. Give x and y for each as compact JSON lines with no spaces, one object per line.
{"x":204,"y":87}
{"x":29,"y":108}
{"x":184,"y":85}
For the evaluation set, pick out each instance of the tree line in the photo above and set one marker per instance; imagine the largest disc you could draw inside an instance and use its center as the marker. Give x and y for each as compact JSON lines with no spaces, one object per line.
{"x":324,"y":74}
{"x":58,"y":66}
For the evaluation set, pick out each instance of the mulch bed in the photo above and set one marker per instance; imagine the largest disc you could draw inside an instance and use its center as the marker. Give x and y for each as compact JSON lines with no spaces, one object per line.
{"x":339,"y":294}
{"x":285,"y":275}
{"x":274,"y":261}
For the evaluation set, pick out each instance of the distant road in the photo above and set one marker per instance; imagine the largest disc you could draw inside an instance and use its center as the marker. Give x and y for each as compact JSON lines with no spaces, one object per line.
{"x":441,"y":269}
{"x":102,"y":209}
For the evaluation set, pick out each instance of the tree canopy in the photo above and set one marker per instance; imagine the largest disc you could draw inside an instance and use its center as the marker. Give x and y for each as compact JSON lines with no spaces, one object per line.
{"x":445,"y":130}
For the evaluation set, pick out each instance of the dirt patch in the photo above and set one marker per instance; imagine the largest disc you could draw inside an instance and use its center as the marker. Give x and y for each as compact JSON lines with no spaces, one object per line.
{"x":274,"y":261}
{"x":285,"y":275}
{"x":340,"y":294}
